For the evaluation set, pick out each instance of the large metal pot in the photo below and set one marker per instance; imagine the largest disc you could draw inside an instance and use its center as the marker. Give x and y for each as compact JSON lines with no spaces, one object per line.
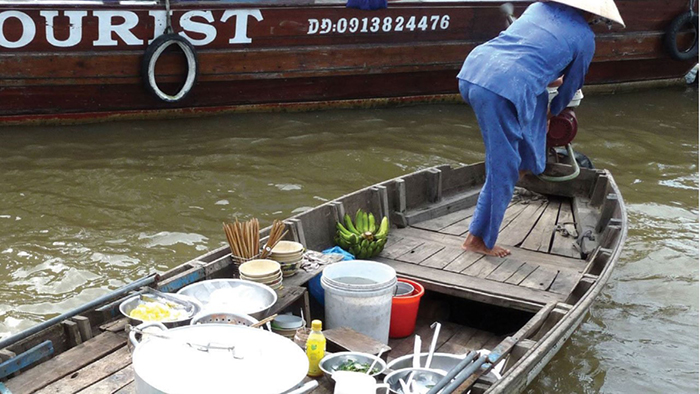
{"x":214,"y":358}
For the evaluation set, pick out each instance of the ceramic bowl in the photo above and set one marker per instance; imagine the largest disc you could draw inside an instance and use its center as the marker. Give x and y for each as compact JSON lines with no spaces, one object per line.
{"x":332,"y":362}
{"x":259,"y":268}
{"x":286,"y":248}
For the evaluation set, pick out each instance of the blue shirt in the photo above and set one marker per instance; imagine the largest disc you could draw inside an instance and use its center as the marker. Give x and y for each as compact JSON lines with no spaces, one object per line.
{"x":548,"y":40}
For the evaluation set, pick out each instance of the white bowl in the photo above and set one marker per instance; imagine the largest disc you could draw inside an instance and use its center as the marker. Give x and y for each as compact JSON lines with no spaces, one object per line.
{"x":286,"y":248}
{"x":259,"y":268}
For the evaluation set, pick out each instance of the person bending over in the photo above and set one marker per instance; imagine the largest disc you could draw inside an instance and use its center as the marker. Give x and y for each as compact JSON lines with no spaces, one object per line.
{"x":505,"y":82}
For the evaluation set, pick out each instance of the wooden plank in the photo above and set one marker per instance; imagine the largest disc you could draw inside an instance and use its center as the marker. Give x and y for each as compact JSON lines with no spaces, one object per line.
{"x":404,"y":346}
{"x":562,"y":245}
{"x":484,"y":267}
{"x":116,"y":382}
{"x":498,"y":293}
{"x":66,"y":363}
{"x":523,"y":272}
{"x":26,"y":359}
{"x":540,"y":279}
{"x":505,"y":270}
{"x":446,"y":205}
{"x":540,"y":238}
{"x":609,"y":206}
{"x":346,"y":339}
{"x":441,"y":222}
{"x":518,"y":229}
{"x":565,"y":281}
{"x":557,"y":262}
{"x":90,"y":374}
{"x":462,"y":227}
{"x":286,"y":297}
{"x":434,"y":185}
{"x":443,"y":257}
{"x":118,"y":325}
{"x":131,"y":389}
{"x":402,"y":246}
{"x":420,"y":253}
{"x":513,"y":211}
{"x":463,"y":261}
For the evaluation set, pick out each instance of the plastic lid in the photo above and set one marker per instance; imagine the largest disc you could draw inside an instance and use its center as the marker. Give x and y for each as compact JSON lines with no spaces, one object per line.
{"x":316,"y":325}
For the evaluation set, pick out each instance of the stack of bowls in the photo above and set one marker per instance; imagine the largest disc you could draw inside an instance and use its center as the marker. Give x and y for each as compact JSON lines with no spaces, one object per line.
{"x":289,"y":254}
{"x":287,"y":325}
{"x":267,"y":272}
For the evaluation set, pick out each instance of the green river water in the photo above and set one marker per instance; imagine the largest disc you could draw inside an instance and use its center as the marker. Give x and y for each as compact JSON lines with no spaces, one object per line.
{"x":86,"y":209}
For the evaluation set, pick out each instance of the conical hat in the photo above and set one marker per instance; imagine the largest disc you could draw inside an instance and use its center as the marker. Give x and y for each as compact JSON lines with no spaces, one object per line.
{"x":605,"y":8}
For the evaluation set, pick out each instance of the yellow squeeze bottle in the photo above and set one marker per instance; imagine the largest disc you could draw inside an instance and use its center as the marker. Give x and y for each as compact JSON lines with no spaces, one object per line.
{"x":315,"y":348}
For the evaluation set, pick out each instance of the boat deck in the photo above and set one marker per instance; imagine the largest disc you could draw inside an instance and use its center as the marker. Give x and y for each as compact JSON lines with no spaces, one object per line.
{"x":544,"y":265}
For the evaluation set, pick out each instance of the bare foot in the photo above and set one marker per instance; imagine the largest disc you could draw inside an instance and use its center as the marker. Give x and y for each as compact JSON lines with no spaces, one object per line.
{"x":476,"y":244}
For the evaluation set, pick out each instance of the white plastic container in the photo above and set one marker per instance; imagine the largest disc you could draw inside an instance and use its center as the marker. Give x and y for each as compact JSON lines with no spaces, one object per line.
{"x":358,"y":295}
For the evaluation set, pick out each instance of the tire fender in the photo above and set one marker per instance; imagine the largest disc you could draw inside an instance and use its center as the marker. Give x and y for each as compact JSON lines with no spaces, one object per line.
{"x":672,"y":32}
{"x":151,"y":56}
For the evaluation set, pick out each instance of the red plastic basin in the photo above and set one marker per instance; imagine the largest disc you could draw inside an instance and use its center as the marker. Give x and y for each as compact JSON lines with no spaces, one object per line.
{"x":404,"y":311}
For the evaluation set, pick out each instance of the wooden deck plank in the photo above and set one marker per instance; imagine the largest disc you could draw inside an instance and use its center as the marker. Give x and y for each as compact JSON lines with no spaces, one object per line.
{"x":500,"y":293}
{"x":518,"y":229}
{"x":522,"y":273}
{"x":552,"y":261}
{"x":456,"y":343}
{"x":540,"y":238}
{"x":403,"y":346}
{"x":420,"y":253}
{"x":66,"y":363}
{"x":484,"y":267}
{"x":505,"y":270}
{"x":402,"y":246}
{"x":540,"y":279}
{"x":565,"y":282}
{"x":129,"y":389}
{"x":443,"y":257}
{"x":116,"y":382}
{"x":90,"y":374}
{"x":439,"y":223}
{"x":562,"y":245}
{"x":463,"y":261}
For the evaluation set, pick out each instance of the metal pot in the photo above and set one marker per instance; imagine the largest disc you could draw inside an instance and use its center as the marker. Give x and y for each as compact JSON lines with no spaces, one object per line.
{"x":214,"y":358}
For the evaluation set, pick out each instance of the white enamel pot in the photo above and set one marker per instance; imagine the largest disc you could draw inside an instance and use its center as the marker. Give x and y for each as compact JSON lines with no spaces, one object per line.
{"x":215,"y":358}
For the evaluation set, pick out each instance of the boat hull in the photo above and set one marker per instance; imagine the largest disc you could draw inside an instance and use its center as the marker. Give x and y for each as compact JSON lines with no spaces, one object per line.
{"x":58,"y":60}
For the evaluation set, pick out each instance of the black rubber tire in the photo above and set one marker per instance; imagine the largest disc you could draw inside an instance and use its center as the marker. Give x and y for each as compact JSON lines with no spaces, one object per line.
{"x":672,"y":32}
{"x":150,"y":58}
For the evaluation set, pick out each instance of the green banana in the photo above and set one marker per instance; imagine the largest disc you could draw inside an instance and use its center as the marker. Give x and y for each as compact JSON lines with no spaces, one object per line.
{"x":365,"y":221}
{"x":372,"y":227}
{"x":349,"y":225}
{"x":358,"y":221}
{"x":342,"y":229}
{"x":383,"y":228}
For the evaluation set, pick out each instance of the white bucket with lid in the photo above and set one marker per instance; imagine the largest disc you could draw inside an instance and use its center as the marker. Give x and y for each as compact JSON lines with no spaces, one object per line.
{"x":358,"y":295}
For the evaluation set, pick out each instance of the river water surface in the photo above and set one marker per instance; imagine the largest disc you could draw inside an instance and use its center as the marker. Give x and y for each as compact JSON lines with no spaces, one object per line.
{"x":86,"y":209}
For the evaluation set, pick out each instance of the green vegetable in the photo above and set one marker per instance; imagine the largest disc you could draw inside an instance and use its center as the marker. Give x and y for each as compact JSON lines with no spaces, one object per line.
{"x":355,"y":366}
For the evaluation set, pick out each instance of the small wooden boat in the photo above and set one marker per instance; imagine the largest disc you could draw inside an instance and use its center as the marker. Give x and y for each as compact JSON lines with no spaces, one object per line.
{"x":565,"y":239}
{"x":72,"y":60}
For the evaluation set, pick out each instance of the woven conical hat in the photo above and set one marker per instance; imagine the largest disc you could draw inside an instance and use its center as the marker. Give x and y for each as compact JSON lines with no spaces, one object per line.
{"x":605,"y":8}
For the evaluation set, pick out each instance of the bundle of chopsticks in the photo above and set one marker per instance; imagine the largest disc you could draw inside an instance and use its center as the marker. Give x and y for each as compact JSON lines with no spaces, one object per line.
{"x":244,"y":239}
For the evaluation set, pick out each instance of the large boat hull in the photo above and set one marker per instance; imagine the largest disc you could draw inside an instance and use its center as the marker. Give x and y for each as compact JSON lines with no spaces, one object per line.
{"x":60,"y":61}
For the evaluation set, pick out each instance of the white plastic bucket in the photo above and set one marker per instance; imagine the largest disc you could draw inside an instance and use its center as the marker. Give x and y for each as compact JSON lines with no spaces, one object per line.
{"x":358,"y":295}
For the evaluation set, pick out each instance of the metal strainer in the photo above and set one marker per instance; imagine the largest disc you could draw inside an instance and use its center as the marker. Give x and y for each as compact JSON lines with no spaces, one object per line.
{"x":223,"y":318}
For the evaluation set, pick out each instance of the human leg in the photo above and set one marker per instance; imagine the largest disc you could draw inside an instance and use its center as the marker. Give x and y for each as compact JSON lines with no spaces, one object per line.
{"x":500,"y":130}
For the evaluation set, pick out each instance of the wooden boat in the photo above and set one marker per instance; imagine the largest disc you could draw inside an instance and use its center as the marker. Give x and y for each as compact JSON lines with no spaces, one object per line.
{"x":74,"y":60}
{"x":565,"y":239}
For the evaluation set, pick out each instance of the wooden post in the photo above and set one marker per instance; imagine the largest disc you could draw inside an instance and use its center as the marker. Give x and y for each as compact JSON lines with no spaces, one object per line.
{"x":434,"y":185}
{"x":383,"y":200}
{"x":339,"y":210}
{"x":399,"y":217}
{"x":599,"y":190}
{"x":606,"y":214}
{"x":297,"y":230}
{"x":72,"y":333}
{"x":83,"y":326}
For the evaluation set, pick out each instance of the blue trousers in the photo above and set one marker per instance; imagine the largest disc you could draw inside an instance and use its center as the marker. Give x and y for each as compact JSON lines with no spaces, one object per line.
{"x":510,"y":147}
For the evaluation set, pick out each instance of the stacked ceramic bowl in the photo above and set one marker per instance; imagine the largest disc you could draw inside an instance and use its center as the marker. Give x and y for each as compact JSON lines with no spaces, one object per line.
{"x":267,"y":272}
{"x":287,"y":325}
{"x":289,"y":254}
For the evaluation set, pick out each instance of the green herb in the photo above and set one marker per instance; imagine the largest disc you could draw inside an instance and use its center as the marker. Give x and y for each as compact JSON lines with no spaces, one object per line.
{"x":355,"y":366}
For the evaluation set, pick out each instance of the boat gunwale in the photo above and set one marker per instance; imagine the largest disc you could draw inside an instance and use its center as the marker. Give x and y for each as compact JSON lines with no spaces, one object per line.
{"x":545,"y":347}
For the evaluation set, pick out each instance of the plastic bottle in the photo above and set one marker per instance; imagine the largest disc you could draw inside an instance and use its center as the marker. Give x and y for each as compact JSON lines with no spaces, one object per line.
{"x":315,"y":348}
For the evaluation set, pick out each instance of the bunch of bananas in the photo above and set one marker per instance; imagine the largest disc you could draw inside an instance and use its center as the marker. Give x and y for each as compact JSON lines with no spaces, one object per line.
{"x":363,"y":238}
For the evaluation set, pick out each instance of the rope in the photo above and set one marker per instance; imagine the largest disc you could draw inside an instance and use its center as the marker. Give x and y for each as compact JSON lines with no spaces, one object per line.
{"x":565,"y":178}
{"x":169,"y":25}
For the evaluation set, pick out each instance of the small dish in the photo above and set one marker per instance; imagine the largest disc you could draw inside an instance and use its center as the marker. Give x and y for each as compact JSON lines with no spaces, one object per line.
{"x":288,"y":321}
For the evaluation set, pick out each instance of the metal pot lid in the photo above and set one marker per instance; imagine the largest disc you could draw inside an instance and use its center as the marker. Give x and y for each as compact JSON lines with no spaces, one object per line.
{"x":260,"y":361}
